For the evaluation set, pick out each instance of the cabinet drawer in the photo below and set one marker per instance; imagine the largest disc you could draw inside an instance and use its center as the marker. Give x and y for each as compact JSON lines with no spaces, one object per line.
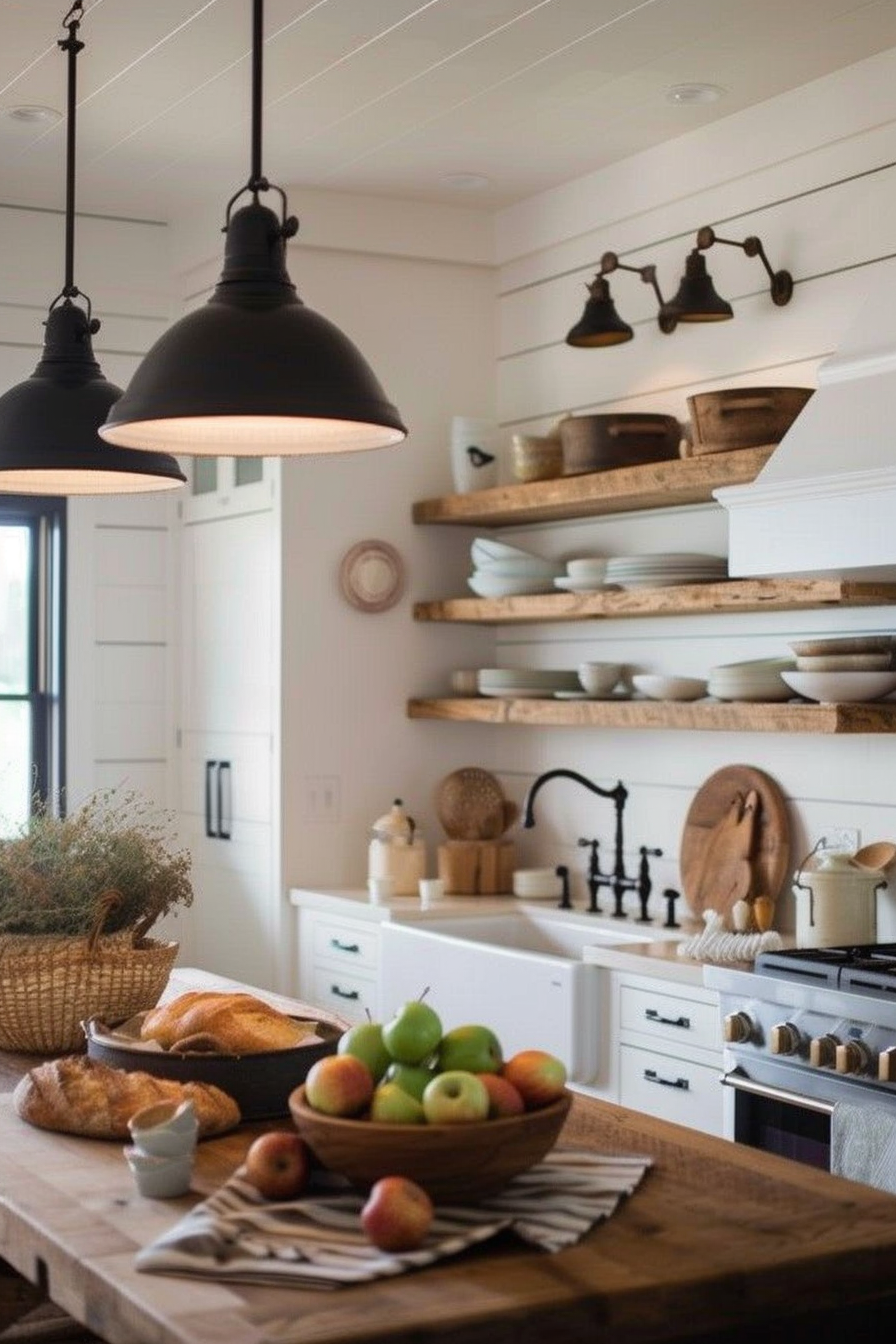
{"x":669,"y":1017}
{"x":671,"y":1088}
{"x":342,"y":991}
{"x":345,"y":943}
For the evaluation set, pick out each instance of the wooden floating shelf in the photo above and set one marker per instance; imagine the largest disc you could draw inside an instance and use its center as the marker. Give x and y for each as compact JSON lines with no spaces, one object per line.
{"x":687,"y":480}
{"x":709,"y":716}
{"x":734,"y":595}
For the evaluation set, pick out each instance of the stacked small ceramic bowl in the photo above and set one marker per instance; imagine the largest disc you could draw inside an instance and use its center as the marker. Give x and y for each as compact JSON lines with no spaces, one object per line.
{"x":164,"y":1141}
{"x":500,"y":570}
{"x":759,"y":680}
{"x":848,"y":669}
{"x":585,"y":575}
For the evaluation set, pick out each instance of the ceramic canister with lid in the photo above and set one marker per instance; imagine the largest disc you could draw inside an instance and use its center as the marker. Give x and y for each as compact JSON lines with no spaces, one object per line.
{"x":397,"y":851}
{"x":836,"y":901}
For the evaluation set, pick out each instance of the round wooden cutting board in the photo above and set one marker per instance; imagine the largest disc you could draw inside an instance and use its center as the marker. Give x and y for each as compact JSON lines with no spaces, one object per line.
{"x":736,"y":840}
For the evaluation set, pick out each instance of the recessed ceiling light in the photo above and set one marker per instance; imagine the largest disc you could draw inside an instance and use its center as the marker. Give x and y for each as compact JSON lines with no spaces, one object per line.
{"x":466,"y":181}
{"x":32,"y":114}
{"x":694,"y":93}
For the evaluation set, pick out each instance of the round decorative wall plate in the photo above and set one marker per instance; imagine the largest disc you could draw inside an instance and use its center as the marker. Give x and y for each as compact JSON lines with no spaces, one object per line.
{"x":371,"y":576}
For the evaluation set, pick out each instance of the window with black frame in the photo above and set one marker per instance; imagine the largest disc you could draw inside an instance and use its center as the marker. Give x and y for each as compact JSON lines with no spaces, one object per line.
{"x":32,"y":645}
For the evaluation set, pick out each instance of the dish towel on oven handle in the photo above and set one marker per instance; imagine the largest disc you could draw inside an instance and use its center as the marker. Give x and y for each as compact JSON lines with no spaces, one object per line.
{"x":863,"y":1144}
{"x":318,"y":1242}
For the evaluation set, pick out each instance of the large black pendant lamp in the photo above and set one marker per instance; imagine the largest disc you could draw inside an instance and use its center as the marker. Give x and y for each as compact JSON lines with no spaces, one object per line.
{"x":48,"y":424}
{"x":254,"y":372}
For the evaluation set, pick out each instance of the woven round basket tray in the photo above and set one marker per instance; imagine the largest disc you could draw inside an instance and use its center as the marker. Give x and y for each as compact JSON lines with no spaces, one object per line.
{"x":50,"y":985}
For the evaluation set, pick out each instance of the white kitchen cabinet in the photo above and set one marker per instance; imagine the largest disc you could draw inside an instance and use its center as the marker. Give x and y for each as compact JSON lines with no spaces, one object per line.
{"x":339,"y":963}
{"x":229,"y":746}
{"x":224,"y":487}
{"x":669,"y":1051}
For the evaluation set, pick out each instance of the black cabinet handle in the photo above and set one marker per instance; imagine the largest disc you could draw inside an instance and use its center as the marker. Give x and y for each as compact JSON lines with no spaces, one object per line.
{"x":651,"y":1076}
{"x":210,"y":830}
{"x":344,"y":947}
{"x":224,"y":768}
{"x":345,"y":993}
{"x":653,"y":1015}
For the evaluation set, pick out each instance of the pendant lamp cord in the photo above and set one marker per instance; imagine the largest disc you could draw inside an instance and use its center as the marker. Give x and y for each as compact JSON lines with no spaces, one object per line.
{"x":72,"y":45}
{"x":289,"y":225}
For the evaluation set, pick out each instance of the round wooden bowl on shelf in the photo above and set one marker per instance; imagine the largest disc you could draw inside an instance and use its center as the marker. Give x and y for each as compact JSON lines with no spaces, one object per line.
{"x":454,"y":1163}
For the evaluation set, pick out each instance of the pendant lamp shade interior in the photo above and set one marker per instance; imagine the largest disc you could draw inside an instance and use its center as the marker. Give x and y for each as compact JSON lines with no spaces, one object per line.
{"x":254,"y":372}
{"x":49,"y":443}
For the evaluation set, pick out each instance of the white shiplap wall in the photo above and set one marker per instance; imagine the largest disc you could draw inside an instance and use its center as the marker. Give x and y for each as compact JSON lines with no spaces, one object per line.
{"x":813,"y":173}
{"x":120,"y":570}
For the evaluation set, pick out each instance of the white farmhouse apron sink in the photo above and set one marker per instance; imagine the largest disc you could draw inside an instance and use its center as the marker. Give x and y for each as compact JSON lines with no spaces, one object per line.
{"x":520,"y":973}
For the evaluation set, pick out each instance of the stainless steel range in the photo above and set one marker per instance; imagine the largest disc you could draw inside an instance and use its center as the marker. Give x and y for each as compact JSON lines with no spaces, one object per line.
{"x":805,"y":1029}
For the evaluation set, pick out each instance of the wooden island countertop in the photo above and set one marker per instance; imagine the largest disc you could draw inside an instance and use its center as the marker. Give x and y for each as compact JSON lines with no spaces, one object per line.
{"x":717,"y":1242}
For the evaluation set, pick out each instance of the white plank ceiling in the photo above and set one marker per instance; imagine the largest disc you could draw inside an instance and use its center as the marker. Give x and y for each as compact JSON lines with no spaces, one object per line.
{"x":399,"y":98}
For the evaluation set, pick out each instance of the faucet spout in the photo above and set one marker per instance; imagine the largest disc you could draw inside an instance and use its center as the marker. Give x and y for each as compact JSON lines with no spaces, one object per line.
{"x":618,"y":794}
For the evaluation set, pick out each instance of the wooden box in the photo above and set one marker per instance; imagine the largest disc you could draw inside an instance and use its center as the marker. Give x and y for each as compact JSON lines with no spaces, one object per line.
{"x":476,"y":867}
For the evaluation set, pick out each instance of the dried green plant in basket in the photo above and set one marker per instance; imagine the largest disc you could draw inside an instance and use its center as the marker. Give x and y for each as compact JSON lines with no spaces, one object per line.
{"x":55,"y":871}
{"x":78,"y":895}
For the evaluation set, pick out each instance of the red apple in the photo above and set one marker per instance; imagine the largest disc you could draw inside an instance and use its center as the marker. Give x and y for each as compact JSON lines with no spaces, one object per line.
{"x":538,"y":1077}
{"x":397,"y":1214}
{"x":278,"y":1164}
{"x":503,"y":1097}
{"x":339,"y":1085}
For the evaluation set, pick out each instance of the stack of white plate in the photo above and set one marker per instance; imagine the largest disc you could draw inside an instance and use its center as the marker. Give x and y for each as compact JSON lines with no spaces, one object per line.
{"x":500,"y":570}
{"x":533,"y":683}
{"x":666,"y":569}
{"x":758,"y":680}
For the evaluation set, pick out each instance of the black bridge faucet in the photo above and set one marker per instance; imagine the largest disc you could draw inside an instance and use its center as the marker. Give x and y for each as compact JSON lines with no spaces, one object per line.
{"x":618,"y":880}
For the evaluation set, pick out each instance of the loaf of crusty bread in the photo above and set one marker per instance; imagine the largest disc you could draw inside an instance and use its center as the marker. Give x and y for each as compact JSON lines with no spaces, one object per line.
{"x":238,"y":1024}
{"x":78,"y":1095}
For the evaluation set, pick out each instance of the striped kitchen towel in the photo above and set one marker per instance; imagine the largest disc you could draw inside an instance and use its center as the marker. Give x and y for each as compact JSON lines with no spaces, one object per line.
{"x":318,"y":1242}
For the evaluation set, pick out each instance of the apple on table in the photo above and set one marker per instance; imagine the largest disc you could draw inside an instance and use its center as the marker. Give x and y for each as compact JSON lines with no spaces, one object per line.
{"x":397,"y":1214}
{"x":278,"y":1164}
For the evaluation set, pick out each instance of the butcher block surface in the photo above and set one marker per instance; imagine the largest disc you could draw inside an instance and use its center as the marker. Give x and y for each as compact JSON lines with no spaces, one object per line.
{"x":717,"y":1241}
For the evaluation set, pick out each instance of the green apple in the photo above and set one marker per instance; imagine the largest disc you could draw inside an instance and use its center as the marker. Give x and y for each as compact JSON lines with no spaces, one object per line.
{"x":413,"y":1033}
{"x":412,"y":1077}
{"x":365,"y":1041}
{"x":472,"y":1048}
{"x":455,"y":1098}
{"x":391,"y":1105}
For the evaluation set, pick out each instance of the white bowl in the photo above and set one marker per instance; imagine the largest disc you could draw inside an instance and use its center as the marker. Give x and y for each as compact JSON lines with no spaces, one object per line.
{"x":589,"y":567}
{"x":841,"y":687}
{"x":844,"y":662}
{"x":657,"y":687}
{"x":599,"y":678}
{"x":484,"y":549}
{"x":520,"y":567}
{"x":493,"y":585}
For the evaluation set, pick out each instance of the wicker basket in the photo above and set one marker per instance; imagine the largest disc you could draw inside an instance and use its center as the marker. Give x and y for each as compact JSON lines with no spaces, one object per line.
{"x":49,"y":985}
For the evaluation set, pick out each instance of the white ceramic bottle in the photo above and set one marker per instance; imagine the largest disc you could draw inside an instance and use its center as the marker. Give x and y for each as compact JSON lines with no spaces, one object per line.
{"x":397,"y":851}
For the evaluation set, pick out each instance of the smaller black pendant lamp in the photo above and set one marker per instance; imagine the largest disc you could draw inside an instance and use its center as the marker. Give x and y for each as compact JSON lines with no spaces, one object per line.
{"x":48,"y":424}
{"x":254,"y":373}
{"x":600,"y":324}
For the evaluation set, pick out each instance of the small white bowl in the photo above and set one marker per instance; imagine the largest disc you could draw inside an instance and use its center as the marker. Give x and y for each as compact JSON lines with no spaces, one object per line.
{"x":589,"y":567}
{"x":537,"y":884}
{"x":657,"y":687}
{"x":832,"y":688}
{"x":599,"y":678}
{"x":160,"y":1177}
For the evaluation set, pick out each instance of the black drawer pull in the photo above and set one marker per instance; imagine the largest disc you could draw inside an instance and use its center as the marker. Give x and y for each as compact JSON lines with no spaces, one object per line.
{"x":651,"y":1076}
{"x":345,"y":993}
{"x":653,"y":1015}
{"x":344,"y":947}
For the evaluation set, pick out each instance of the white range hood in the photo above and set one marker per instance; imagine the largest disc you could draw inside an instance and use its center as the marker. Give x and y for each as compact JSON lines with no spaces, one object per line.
{"x":825,"y":502}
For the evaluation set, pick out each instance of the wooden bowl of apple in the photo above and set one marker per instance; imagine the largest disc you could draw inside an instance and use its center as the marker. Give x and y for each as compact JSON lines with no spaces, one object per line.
{"x":443,"y":1109}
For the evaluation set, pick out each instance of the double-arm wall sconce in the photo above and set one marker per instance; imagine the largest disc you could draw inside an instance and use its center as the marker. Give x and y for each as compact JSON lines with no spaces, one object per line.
{"x":695,"y":301}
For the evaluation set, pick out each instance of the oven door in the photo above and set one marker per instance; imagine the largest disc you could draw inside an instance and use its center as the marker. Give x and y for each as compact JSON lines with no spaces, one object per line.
{"x":776,"y":1120}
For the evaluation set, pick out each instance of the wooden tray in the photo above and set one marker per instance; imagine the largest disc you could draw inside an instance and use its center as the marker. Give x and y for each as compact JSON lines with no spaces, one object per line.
{"x":712,"y":839}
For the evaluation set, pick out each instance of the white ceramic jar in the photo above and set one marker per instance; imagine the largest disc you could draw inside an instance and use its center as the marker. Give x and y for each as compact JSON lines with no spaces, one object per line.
{"x":836,"y":902}
{"x":397,"y":851}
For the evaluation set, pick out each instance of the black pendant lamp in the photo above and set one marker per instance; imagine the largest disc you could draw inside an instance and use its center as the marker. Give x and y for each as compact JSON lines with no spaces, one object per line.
{"x":254,"y":373}
{"x":697,"y":300}
{"x":48,"y":424}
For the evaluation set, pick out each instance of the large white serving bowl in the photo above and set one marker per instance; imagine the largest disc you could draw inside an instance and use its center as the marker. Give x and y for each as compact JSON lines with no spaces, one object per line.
{"x":658,"y":687}
{"x":484,"y":584}
{"x":831,"y":688}
{"x":521,"y":567}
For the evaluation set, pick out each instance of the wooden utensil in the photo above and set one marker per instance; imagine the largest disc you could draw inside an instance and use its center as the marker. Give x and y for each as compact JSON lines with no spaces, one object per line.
{"x":761,"y":838}
{"x":470,"y":805}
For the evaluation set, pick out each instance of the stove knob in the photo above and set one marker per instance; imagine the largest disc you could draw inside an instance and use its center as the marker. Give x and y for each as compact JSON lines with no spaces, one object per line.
{"x":886,"y":1065}
{"x":738,"y":1027}
{"x":852,"y":1057}
{"x":823,"y":1052}
{"x":785,"y":1039}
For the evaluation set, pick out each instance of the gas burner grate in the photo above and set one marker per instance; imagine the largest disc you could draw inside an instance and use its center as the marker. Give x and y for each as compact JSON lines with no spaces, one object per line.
{"x":867,"y":969}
